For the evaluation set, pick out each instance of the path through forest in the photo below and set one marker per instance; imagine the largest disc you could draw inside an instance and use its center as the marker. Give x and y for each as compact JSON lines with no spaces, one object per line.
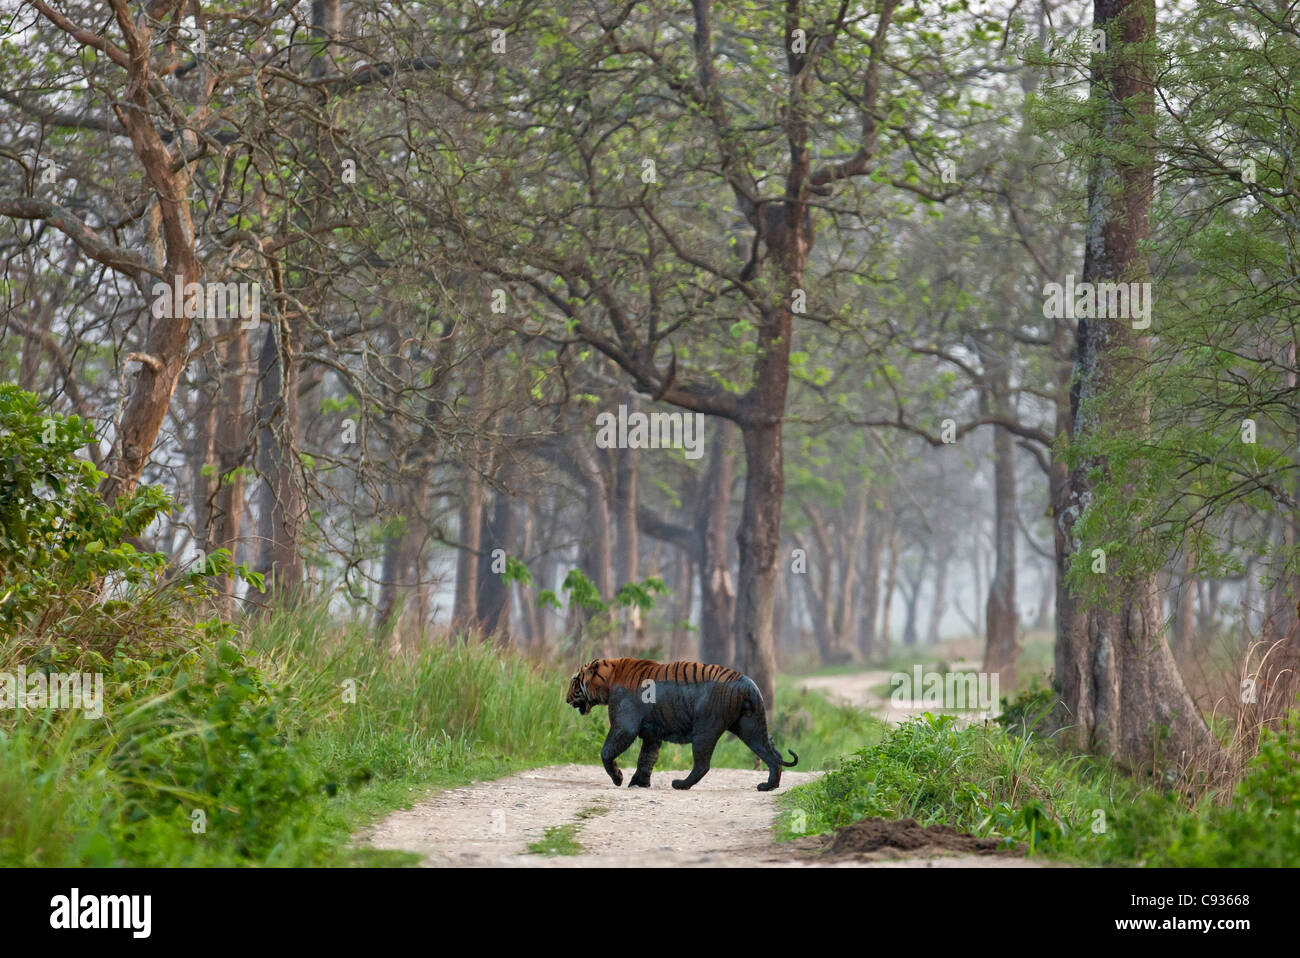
{"x":863,"y":690}
{"x":722,"y":822}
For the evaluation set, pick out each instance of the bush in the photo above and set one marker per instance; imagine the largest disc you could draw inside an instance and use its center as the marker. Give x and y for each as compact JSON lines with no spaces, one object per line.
{"x":1260,"y":827}
{"x":977,"y":779}
{"x":61,"y":545}
{"x":201,"y":733}
{"x":71,"y":581}
{"x":191,"y":731}
{"x":221,"y":743}
{"x":991,"y":781}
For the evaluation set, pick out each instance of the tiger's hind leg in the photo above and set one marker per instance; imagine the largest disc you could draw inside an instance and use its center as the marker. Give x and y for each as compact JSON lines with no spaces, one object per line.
{"x":752,"y":730}
{"x":645,"y":763}
{"x":702,"y":744}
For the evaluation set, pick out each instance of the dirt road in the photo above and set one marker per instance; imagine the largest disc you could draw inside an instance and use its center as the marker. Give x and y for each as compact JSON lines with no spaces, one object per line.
{"x":861,"y":689}
{"x":721,"y":822}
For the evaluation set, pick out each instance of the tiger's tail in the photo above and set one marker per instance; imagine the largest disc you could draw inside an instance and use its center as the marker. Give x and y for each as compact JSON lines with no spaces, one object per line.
{"x":754,"y":704}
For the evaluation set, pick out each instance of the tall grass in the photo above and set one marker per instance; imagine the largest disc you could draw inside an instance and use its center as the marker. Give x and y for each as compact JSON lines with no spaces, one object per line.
{"x":274,"y":747}
{"x":268,"y":750}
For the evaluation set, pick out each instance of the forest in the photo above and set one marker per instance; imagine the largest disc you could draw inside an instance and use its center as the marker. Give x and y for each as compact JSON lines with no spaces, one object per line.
{"x":366,"y":368}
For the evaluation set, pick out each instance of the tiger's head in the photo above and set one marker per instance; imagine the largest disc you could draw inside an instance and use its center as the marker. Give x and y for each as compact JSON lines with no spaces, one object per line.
{"x":590,"y":686}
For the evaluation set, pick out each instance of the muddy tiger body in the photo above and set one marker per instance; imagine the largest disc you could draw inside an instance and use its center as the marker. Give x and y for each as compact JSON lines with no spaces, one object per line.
{"x":679,"y":702}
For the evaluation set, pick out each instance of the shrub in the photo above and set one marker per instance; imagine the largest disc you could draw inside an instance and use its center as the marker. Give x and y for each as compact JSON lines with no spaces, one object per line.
{"x":991,"y":781}
{"x":977,"y":779}
{"x":1259,"y":827}
{"x":71,"y":579}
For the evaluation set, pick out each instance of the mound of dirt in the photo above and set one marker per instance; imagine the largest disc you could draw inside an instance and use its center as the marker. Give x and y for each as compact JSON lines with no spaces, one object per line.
{"x":873,"y":838}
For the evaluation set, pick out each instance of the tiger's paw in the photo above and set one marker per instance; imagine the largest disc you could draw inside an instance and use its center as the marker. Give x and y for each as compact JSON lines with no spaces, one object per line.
{"x":766,"y":787}
{"x":616,"y":776}
{"x":681,"y":783}
{"x":639,"y":782}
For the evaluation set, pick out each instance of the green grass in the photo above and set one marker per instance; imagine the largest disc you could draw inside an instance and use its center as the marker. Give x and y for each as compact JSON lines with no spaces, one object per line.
{"x":1037,"y":655}
{"x":281,"y":746}
{"x":558,"y":840}
{"x":844,"y":668}
{"x":289,"y":739}
{"x":1008,"y":783}
{"x":563,"y":839}
{"x":275,"y":749}
{"x":976,"y":779}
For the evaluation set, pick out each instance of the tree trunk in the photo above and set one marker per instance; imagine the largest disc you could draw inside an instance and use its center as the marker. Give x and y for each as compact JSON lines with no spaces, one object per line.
{"x":282,"y":507}
{"x":787,"y":232}
{"x":887,"y":603}
{"x":817,"y":601}
{"x":401,"y":577}
{"x":1000,"y":618}
{"x":202,"y":453}
{"x":1285,"y":615}
{"x":717,"y":593}
{"x":850,"y":594}
{"x":759,"y":538}
{"x":912,"y":593}
{"x":940,"y":603}
{"x":547,"y":574}
{"x":528,"y":617}
{"x":625,"y":502}
{"x":167,"y":344}
{"x":1046,"y":598}
{"x":820,"y":588}
{"x":680,"y":644}
{"x":1123,"y":693}
{"x":493,"y":607}
{"x":788,"y":635}
{"x":1185,"y":609}
{"x":231,"y":442}
{"x":596,"y":557}
{"x":871,"y":585}
{"x":470,"y":536}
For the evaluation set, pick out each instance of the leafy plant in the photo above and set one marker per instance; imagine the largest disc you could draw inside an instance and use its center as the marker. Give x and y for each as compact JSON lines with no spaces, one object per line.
{"x":70,"y":576}
{"x":62,"y":548}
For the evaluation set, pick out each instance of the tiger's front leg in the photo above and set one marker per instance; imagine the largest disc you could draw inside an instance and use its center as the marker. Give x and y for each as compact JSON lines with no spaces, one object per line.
{"x":616,"y":743}
{"x":645,"y":763}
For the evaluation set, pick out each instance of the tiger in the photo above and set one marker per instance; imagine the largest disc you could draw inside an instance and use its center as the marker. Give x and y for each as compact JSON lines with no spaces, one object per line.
{"x":675,"y":702}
